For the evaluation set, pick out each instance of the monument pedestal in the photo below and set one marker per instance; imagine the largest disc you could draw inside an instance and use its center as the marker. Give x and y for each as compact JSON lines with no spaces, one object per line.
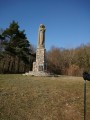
{"x":40,"y":64}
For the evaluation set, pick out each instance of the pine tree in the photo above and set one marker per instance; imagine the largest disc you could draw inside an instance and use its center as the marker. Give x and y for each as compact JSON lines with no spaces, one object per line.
{"x":17,"y":47}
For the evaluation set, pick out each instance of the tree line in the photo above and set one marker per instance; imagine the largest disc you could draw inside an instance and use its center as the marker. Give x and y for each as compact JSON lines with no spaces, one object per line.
{"x":16,"y":53}
{"x":69,"y":61}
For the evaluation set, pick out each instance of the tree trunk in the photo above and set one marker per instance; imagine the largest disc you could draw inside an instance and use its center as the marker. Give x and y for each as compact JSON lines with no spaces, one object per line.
{"x":18,"y":64}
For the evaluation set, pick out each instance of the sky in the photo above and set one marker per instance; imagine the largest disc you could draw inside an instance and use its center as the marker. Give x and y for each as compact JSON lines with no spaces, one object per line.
{"x":67,"y":22}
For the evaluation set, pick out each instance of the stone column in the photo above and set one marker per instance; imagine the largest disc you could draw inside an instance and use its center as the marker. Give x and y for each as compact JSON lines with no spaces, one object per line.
{"x":40,"y":64}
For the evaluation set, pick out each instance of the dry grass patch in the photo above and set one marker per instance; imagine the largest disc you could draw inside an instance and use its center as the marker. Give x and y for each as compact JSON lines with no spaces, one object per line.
{"x":42,"y":98}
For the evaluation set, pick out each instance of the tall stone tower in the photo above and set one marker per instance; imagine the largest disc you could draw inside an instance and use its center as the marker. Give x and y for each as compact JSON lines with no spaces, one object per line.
{"x":40,"y":64}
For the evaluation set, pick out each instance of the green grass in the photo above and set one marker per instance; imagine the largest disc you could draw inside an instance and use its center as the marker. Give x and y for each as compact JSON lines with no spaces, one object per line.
{"x":42,"y":98}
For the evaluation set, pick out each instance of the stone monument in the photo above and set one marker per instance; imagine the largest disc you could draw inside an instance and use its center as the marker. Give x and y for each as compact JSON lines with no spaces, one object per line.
{"x":40,"y":64}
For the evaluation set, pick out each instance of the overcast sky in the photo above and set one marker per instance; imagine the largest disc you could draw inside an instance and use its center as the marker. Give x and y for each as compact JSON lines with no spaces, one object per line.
{"x":67,"y":21}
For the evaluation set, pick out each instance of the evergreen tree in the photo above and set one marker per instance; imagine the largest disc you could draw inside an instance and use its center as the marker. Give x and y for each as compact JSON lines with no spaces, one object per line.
{"x":17,"y":48}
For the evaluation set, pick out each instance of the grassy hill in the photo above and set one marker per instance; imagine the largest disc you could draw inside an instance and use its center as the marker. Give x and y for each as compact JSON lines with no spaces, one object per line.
{"x":42,"y":98}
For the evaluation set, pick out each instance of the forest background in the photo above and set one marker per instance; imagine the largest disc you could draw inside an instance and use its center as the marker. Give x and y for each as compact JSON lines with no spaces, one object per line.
{"x":17,"y":55}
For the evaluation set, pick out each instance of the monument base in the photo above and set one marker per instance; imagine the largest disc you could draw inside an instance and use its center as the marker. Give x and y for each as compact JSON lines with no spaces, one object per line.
{"x":40,"y":64}
{"x":39,"y":73}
